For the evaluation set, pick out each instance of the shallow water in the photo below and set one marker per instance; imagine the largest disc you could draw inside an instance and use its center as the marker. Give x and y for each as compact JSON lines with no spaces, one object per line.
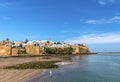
{"x":88,"y":68}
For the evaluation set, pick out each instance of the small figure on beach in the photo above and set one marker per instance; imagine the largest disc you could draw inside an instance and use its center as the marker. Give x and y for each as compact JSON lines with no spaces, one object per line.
{"x":50,"y":73}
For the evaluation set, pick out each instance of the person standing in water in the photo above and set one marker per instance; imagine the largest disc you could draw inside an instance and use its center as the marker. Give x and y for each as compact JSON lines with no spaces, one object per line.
{"x":50,"y":73}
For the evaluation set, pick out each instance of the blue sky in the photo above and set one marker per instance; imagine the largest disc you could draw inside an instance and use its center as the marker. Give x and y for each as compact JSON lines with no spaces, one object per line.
{"x":95,"y":22}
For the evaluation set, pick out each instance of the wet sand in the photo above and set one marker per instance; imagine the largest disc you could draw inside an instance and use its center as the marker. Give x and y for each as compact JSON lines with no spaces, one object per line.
{"x":8,"y":75}
{"x":12,"y":75}
{"x":40,"y":77}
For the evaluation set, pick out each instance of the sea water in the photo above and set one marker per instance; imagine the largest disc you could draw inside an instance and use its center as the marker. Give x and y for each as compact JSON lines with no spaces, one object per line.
{"x":88,"y":68}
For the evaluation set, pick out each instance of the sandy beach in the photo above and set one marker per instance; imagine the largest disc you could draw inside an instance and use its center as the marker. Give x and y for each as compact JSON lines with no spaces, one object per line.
{"x":8,"y":75}
{"x":12,"y":75}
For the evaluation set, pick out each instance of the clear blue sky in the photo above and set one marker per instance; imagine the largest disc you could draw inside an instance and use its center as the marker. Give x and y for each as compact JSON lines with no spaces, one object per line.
{"x":95,"y":22}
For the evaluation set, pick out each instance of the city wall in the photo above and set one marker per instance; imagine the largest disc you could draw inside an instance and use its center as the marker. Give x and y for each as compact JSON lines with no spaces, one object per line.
{"x":5,"y":50}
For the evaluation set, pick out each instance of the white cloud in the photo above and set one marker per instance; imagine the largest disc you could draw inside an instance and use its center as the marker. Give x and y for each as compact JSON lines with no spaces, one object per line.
{"x":112,"y":1}
{"x":115,"y":19}
{"x":97,"y":38}
{"x":102,"y":2}
{"x":105,"y":2}
{"x":92,"y":22}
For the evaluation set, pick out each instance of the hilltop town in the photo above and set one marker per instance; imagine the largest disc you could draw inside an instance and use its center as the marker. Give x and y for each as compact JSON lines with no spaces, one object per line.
{"x":40,"y":47}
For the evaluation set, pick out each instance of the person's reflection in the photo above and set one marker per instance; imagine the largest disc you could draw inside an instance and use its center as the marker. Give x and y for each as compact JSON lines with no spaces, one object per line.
{"x":50,"y":80}
{"x":51,"y":75}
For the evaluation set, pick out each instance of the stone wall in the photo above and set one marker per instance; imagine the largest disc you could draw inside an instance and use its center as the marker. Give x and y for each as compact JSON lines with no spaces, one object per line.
{"x":37,"y":50}
{"x":14,"y":52}
{"x":42,"y":50}
{"x":5,"y":50}
{"x":78,"y":49}
{"x":32,"y":49}
{"x":84,"y":48}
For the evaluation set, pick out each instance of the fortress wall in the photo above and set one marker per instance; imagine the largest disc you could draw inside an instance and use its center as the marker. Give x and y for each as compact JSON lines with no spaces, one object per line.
{"x":32,"y":49}
{"x":5,"y":50}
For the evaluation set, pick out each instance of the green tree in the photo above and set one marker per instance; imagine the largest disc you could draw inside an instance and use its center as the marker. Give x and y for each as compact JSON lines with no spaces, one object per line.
{"x":26,"y":40}
{"x":67,"y":50}
{"x":59,"y":51}
{"x":20,"y":45}
{"x":49,"y":51}
{"x":7,"y":39}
